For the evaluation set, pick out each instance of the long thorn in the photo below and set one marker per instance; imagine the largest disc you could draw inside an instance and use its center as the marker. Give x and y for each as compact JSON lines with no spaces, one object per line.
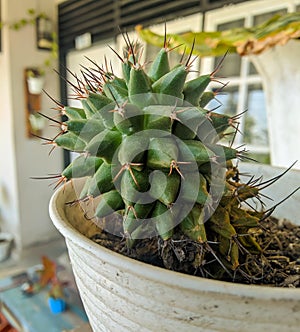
{"x":48,"y":117}
{"x":190,"y":55}
{"x":116,"y":53}
{"x":276,"y":178}
{"x":219,"y":65}
{"x":54,"y":100}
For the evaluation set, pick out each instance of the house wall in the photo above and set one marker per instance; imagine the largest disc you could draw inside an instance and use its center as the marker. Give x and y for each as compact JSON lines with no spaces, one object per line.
{"x":24,"y":201}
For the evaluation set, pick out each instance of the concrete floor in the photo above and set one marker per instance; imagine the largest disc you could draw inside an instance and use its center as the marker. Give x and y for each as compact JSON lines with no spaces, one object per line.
{"x":32,"y":256}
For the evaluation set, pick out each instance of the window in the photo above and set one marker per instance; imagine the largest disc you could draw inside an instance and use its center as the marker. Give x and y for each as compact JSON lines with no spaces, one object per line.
{"x":244,"y":91}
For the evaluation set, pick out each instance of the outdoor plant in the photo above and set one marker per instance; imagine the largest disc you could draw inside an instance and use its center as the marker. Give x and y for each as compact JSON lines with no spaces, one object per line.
{"x":278,"y":30}
{"x":154,"y":166}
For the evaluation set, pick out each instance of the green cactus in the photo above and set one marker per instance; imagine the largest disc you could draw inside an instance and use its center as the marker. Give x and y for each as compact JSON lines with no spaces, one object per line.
{"x":150,"y":152}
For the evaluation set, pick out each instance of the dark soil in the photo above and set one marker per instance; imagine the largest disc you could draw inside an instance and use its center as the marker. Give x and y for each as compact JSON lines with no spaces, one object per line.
{"x":278,"y":265}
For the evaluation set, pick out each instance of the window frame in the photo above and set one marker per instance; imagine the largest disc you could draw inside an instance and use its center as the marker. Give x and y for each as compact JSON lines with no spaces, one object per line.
{"x":246,"y":11}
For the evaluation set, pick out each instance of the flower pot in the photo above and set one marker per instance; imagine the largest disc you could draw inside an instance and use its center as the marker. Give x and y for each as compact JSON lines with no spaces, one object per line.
{"x":56,"y":305}
{"x":5,"y":245}
{"x":122,"y":294}
{"x":35,"y":85}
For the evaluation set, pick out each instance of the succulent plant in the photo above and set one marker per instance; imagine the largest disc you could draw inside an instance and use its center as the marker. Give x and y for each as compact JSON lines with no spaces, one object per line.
{"x":151,"y":155}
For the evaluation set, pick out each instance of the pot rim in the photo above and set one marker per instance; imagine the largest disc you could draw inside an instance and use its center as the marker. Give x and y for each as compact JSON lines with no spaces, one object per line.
{"x":158,"y":274}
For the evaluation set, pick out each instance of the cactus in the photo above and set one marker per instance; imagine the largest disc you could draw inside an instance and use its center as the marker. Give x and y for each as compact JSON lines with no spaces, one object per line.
{"x":150,"y":154}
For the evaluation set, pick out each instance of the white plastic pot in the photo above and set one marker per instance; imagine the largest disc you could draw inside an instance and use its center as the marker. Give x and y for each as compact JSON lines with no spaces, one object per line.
{"x":35,"y":84}
{"x":122,"y":294}
{"x":5,"y":245}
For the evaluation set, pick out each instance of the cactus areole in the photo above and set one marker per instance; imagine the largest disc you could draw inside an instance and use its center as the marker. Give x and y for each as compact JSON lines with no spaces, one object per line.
{"x":155,"y":166}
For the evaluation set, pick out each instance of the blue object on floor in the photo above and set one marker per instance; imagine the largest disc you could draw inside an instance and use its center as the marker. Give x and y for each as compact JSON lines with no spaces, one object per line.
{"x":56,"y":305}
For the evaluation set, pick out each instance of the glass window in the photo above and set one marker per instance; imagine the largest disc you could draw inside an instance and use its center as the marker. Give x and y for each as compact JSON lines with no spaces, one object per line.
{"x":261,"y":18}
{"x":226,"y":101}
{"x":232,"y":64}
{"x":255,"y":124}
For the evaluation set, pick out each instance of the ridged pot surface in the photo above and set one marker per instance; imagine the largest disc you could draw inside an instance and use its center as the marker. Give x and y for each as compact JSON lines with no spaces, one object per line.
{"x":122,"y":294}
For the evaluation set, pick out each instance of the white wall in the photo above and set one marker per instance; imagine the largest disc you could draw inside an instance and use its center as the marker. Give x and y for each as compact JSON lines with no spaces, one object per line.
{"x":23,"y":201}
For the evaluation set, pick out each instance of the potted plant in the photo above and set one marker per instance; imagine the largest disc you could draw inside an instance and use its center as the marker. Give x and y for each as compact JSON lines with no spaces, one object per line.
{"x":35,"y":80}
{"x":5,"y":245}
{"x":6,"y":240}
{"x":153,"y":181}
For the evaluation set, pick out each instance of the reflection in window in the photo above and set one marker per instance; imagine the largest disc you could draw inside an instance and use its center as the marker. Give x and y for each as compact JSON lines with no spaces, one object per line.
{"x":226,"y":101}
{"x":233,"y":61}
{"x":255,"y":125}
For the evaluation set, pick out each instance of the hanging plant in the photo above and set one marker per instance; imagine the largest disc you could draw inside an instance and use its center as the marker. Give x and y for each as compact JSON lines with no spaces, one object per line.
{"x":32,"y":18}
{"x":245,"y":41}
